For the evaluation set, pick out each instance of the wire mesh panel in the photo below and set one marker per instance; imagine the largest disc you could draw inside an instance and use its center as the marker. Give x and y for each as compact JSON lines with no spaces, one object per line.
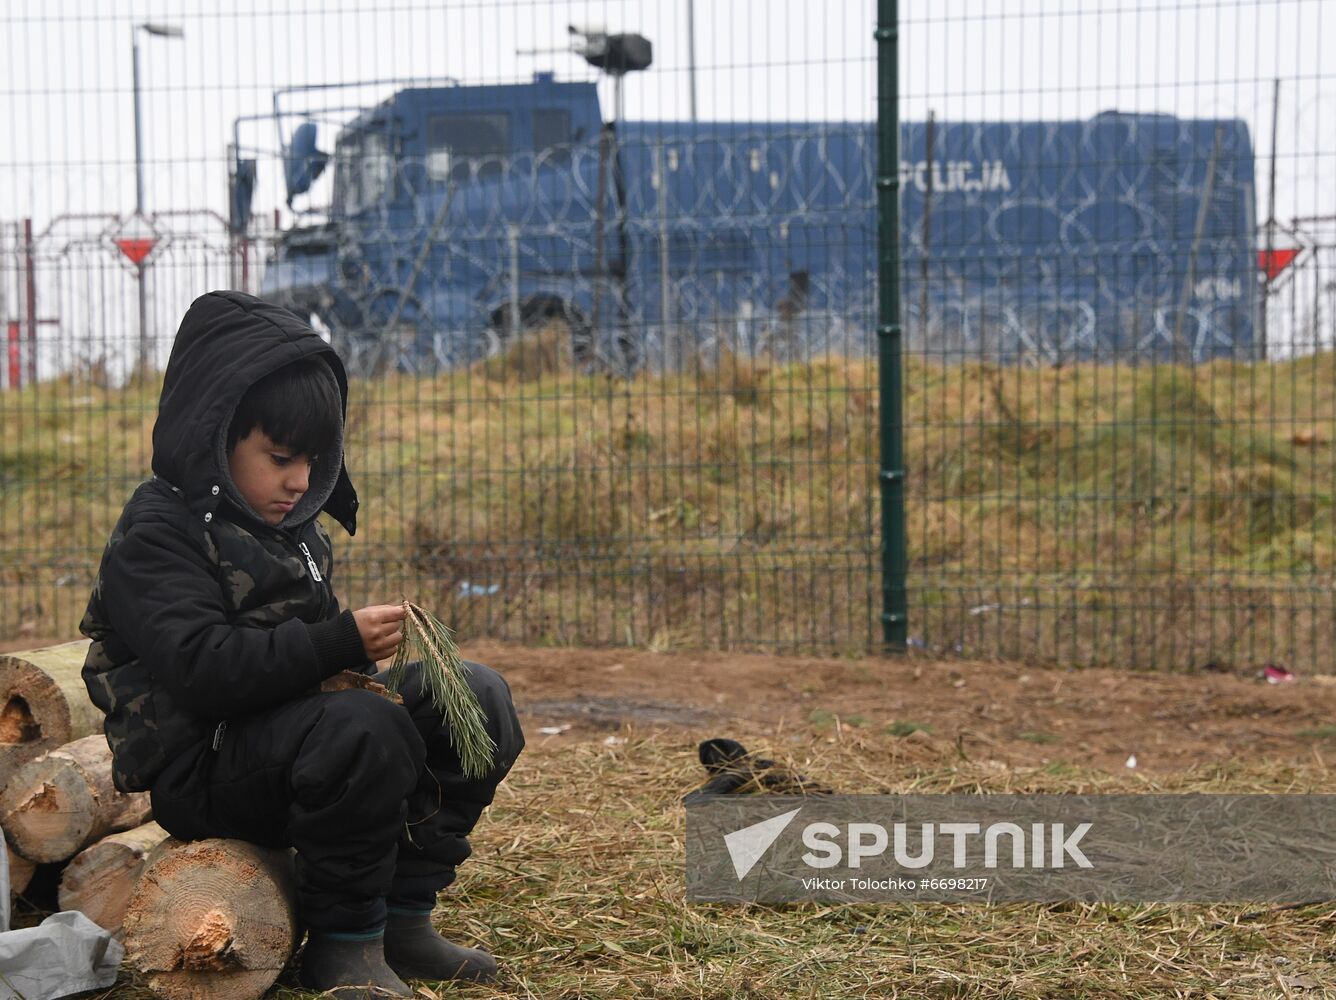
{"x":605,"y":276}
{"x":602,"y":273}
{"x":1119,"y":414}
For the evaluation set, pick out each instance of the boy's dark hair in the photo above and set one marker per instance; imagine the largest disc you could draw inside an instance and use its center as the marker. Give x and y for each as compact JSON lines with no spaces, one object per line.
{"x":298,"y":406}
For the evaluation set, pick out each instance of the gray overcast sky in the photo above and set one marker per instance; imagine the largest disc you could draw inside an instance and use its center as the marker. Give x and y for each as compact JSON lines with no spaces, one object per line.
{"x":69,"y":98}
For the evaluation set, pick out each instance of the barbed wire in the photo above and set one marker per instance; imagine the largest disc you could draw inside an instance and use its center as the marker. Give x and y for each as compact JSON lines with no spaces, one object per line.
{"x":1120,"y":236}
{"x":1046,"y":241}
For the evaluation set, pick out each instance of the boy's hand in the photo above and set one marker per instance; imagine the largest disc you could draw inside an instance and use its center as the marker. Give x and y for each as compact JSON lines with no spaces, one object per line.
{"x":380,"y":629}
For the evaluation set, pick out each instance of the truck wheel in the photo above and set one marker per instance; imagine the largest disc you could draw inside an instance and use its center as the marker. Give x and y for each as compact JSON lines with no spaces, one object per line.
{"x":540,"y":313}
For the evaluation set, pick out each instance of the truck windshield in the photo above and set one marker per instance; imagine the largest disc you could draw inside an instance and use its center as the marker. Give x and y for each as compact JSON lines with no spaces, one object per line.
{"x":363,"y":172}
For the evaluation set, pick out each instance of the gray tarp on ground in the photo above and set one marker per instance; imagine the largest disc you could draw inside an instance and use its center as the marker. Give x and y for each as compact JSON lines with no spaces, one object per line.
{"x":67,"y":953}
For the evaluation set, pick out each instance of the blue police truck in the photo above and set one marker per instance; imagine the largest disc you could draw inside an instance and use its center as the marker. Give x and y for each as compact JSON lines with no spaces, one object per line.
{"x":463,"y":215}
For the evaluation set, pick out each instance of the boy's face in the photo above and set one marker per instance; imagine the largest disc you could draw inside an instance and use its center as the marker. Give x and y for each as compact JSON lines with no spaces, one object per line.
{"x":270,"y":476}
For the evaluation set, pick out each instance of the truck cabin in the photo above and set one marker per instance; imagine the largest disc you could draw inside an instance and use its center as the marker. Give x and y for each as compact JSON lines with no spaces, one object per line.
{"x":424,"y":137}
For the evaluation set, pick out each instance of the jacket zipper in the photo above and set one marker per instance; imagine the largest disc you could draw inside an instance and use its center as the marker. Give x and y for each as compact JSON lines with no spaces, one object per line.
{"x":310,"y":563}
{"x":314,"y":571}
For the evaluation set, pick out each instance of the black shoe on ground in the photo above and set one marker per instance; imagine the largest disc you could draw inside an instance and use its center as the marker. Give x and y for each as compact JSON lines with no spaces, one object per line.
{"x":414,"y":950}
{"x":350,"y":969}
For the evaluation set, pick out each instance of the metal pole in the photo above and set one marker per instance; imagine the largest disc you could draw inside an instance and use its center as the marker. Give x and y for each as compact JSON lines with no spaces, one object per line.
{"x":691,"y":57}
{"x":158,"y":30}
{"x":236,"y":266}
{"x":513,"y":242}
{"x":139,"y":140}
{"x":623,"y":272}
{"x":890,"y":376}
{"x":30,"y":299}
{"x":141,"y":367}
{"x":670,"y":360}
{"x":601,"y":195}
{"x":1270,"y":221}
{"x":141,"y":363}
{"x":1198,"y":231}
{"x":925,"y":231}
{"x":15,"y":356}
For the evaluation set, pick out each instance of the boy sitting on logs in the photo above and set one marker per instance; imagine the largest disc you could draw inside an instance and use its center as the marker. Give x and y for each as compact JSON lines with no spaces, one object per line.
{"x":215,"y":628}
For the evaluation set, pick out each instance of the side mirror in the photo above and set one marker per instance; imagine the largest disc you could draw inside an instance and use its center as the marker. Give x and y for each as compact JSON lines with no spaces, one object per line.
{"x":241,"y":195}
{"x":303,"y":163}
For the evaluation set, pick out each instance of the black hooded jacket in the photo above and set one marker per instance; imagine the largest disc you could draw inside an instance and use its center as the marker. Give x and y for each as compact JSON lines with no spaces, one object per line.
{"x":201,"y":611}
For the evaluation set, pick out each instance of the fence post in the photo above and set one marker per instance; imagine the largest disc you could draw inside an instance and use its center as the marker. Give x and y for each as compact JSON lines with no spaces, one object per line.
{"x":15,"y":355}
{"x":670,"y":362}
{"x":513,"y":249}
{"x":30,"y":299}
{"x":891,"y":471}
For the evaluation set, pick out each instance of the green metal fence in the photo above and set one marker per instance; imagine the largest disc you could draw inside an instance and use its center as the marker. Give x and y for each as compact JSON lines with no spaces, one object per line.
{"x":890,"y":334}
{"x":611,"y":352}
{"x":1118,"y":405}
{"x":965,"y":328}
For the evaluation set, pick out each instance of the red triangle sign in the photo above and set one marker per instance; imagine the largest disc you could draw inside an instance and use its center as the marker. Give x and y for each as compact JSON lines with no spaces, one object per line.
{"x":1273,"y":262}
{"x":137,"y":247}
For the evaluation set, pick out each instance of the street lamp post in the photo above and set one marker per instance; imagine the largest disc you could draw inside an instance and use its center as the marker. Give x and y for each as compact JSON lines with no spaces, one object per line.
{"x":691,"y":57}
{"x":160,"y":31}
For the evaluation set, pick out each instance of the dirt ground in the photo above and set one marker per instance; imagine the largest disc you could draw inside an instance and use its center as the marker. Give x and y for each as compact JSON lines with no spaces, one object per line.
{"x":577,"y":880}
{"x":1020,"y":715}
{"x":1013,"y":713}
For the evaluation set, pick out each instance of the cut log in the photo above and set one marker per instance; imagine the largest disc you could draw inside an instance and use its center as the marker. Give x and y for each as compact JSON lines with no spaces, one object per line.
{"x":58,"y":804}
{"x":212,"y":920}
{"x":20,"y":872}
{"x":99,"y":880}
{"x":43,"y":703}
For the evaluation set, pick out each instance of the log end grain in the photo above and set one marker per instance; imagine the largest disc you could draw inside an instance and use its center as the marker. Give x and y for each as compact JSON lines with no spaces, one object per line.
{"x":212,"y":918}
{"x":48,"y":815}
{"x":43,"y":703}
{"x":42,"y":695}
{"x":61,"y":802}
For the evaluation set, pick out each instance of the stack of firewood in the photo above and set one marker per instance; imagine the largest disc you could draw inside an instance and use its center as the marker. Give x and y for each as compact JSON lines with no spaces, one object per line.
{"x":212,"y":918}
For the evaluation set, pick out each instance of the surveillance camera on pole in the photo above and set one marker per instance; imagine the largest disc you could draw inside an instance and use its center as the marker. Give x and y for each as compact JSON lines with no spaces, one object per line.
{"x":615,"y":55}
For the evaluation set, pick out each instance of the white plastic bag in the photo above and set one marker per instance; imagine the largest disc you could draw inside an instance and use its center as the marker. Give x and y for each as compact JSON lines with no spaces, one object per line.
{"x":66,"y":953}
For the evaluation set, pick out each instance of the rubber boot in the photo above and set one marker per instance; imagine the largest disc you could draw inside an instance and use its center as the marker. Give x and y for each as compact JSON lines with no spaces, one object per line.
{"x":351,"y":967}
{"x":414,"y":950}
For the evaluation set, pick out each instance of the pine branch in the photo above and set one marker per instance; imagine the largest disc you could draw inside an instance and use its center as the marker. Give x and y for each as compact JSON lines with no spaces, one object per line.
{"x":444,"y":679}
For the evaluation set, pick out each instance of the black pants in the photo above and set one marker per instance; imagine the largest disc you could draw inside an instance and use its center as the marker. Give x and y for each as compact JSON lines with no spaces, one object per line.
{"x":370,"y":793}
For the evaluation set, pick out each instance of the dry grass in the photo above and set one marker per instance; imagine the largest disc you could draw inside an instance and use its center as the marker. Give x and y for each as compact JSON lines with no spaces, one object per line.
{"x":1098,"y":513}
{"x":539,"y":352}
{"x":577,"y":885}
